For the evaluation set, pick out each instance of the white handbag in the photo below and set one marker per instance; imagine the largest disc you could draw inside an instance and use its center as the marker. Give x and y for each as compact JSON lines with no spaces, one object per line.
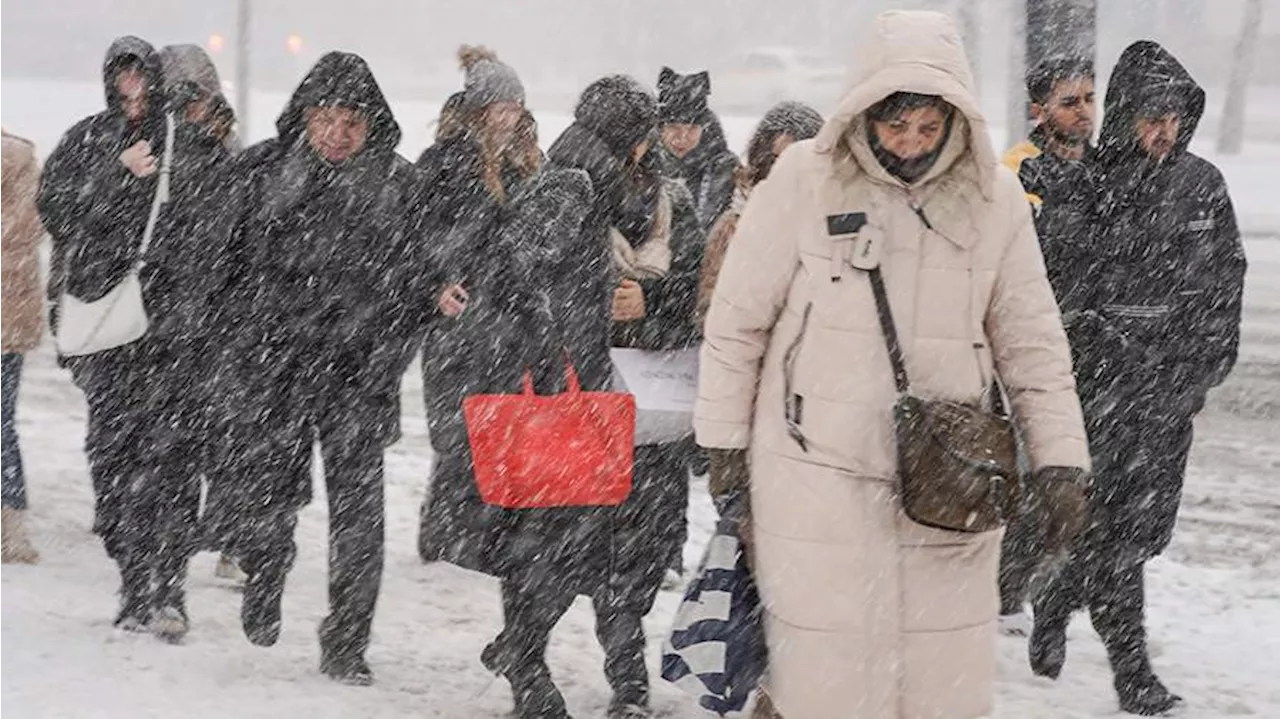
{"x":118,"y":317}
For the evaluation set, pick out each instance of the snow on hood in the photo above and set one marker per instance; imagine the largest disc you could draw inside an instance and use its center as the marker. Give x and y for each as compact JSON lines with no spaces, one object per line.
{"x":1145,"y":73}
{"x":920,"y":52}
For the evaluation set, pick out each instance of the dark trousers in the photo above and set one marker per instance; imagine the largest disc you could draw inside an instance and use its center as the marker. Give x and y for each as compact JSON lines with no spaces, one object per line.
{"x":14,"y":482}
{"x":353,"y":475}
{"x":1139,"y":469}
{"x":532,"y":609}
{"x":631,"y":552}
{"x":1114,"y":591}
{"x":1021,"y":553}
{"x":143,"y":453}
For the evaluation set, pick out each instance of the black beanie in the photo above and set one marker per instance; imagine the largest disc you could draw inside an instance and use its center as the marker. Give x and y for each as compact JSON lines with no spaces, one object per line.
{"x":619,"y":111}
{"x":682,"y":99}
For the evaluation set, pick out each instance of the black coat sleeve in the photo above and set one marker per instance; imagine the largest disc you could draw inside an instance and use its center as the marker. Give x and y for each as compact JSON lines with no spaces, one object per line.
{"x":1217,"y":291}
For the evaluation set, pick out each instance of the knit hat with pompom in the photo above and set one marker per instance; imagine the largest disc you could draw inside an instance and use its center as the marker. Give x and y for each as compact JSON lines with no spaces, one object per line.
{"x":488,"y":79}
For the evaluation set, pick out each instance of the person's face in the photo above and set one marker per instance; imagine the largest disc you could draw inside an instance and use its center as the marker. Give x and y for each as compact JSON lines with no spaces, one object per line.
{"x":782,"y":142}
{"x":1157,"y":135}
{"x":131,"y":85}
{"x":1069,"y":111}
{"x":502,"y":120}
{"x":681,"y":139}
{"x":337,"y":133}
{"x":913,"y":133}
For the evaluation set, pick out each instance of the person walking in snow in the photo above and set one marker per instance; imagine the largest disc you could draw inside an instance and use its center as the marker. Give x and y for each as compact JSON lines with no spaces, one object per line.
{"x":1165,"y":279}
{"x":782,"y":126}
{"x":469,"y":178}
{"x":693,"y":149}
{"x":146,"y":398}
{"x":22,"y":326}
{"x":195,"y":94}
{"x":325,"y":309}
{"x":867,"y":612}
{"x":615,"y":555}
{"x":1054,"y":166}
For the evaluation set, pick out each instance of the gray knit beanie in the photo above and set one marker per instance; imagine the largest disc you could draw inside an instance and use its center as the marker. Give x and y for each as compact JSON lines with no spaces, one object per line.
{"x":488,"y":79}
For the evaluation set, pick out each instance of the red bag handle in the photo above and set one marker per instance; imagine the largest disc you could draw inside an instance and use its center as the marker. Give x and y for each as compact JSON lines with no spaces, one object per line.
{"x":570,"y":377}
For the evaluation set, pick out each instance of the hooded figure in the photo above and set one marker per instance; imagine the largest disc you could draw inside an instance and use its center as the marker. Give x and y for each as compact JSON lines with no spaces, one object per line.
{"x":191,"y":78}
{"x":707,"y":168}
{"x":866,"y":612}
{"x":146,"y":406}
{"x":1156,"y":348}
{"x":324,"y":313}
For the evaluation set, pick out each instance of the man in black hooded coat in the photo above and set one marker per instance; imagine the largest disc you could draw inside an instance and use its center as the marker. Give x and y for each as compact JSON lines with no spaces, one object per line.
{"x":1165,"y":281}
{"x":147,"y":398}
{"x":326,"y":311}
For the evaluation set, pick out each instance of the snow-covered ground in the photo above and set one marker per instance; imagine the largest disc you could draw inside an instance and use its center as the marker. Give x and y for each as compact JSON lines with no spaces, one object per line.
{"x":1214,"y":598}
{"x":1214,"y":610}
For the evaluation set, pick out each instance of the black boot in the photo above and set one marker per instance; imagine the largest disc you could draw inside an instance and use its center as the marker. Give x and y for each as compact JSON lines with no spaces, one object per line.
{"x":135,"y":594}
{"x":341,"y":659}
{"x":1144,"y":695}
{"x":345,"y":669}
{"x":536,"y":696}
{"x":1047,"y":648}
{"x":621,"y":635}
{"x":260,"y":608}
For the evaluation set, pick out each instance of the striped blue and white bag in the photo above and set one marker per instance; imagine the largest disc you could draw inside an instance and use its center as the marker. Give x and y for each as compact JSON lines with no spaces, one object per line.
{"x":716,"y":649}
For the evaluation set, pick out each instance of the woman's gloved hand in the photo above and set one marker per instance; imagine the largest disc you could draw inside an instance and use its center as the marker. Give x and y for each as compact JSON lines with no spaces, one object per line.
{"x":1063,"y":504}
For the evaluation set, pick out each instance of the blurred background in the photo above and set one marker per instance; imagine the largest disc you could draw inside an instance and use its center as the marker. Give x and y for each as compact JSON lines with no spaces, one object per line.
{"x":759,"y":51}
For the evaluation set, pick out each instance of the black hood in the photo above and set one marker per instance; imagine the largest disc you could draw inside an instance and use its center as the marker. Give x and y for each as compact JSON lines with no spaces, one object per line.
{"x":342,"y":79}
{"x":1147,"y":75}
{"x":120,"y":53}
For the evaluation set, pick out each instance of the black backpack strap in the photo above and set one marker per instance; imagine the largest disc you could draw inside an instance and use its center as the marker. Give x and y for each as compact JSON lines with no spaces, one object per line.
{"x":890,"y":331}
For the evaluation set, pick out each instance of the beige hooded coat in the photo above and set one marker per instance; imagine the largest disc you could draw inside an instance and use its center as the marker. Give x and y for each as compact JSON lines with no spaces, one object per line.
{"x":870,"y":616}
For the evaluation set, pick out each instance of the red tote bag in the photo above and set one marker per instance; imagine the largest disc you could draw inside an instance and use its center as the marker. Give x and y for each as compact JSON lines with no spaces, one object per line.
{"x":565,"y":450}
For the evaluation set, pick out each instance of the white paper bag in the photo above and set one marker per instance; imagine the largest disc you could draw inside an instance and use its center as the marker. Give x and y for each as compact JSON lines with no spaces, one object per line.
{"x":665,"y":385}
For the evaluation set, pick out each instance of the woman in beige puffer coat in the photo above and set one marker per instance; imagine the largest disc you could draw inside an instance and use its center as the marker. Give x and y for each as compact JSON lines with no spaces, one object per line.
{"x":869,"y":615}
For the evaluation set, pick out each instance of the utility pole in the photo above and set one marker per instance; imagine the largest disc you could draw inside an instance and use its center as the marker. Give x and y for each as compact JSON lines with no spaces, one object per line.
{"x":242,"y":66}
{"x":1052,"y":27}
{"x":1231,"y":134}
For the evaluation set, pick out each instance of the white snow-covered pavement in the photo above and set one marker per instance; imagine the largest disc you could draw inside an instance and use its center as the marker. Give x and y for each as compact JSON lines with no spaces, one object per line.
{"x":1214,"y":598}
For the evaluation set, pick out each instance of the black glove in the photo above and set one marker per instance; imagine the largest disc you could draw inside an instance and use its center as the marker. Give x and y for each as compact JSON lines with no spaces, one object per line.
{"x":1063,"y":504}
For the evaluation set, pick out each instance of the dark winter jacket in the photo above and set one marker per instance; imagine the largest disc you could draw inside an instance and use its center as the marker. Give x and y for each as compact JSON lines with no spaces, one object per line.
{"x":1064,"y":199}
{"x":479,"y":351}
{"x":707,"y":171}
{"x":93,"y":207}
{"x":1169,"y":263}
{"x":626,"y":198}
{"x":329,"y":294}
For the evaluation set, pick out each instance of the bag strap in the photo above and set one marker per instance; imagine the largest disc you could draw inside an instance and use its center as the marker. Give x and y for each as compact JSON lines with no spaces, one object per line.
{"x":162,"y":189}
{"x":890,"y":331}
